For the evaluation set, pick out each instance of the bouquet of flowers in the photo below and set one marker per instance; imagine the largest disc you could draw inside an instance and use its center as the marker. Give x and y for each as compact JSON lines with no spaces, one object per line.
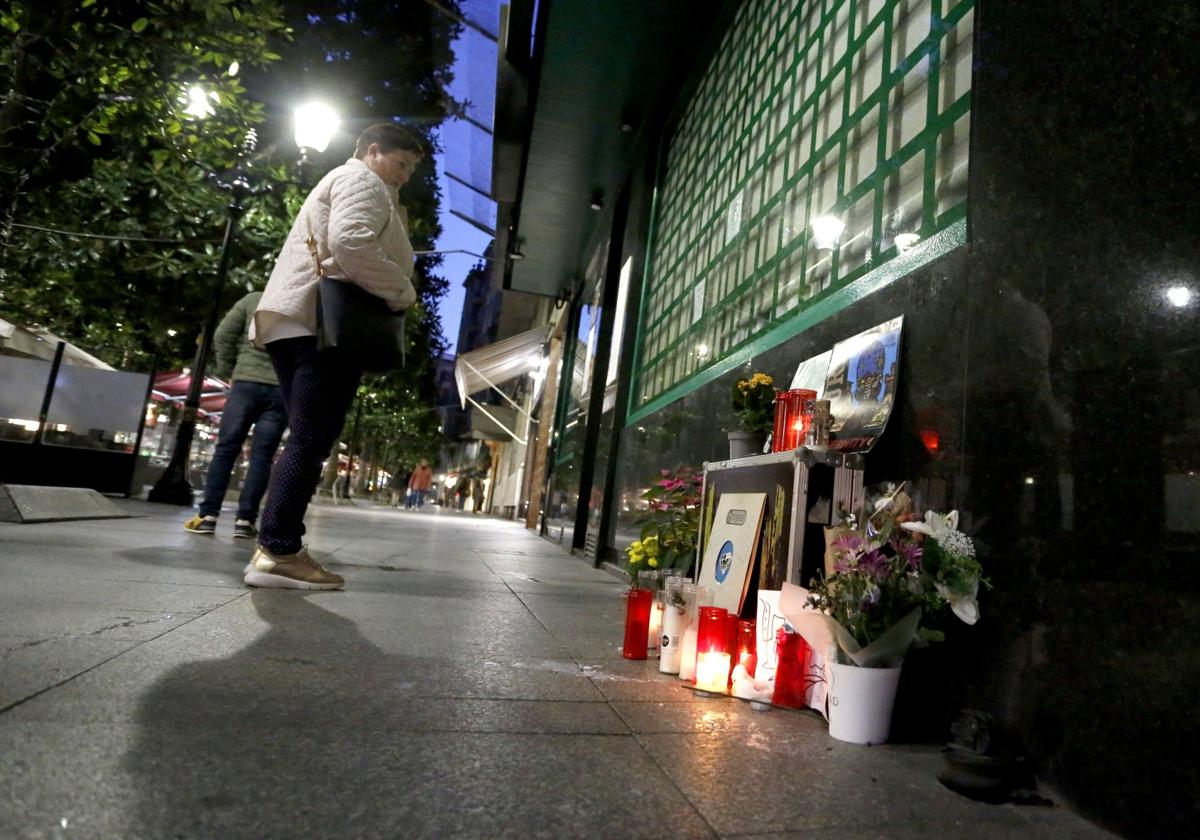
{"x":948,"y":563}
{"x":670,"y":523}
{"x":886,"y":580}
{"x":754,"y":403}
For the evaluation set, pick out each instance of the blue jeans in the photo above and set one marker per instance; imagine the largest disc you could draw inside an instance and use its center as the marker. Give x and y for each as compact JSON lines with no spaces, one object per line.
{"x":415,"y":499}
{"x":248,"y":404}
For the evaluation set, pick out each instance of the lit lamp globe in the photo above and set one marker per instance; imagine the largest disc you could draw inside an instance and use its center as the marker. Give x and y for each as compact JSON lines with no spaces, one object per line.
{"x":827,"y":230}
{"x":315,"y":125}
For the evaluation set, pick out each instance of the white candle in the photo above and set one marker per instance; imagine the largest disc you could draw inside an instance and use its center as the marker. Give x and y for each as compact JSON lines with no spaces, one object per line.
{"x":674,"y":620}
{"x":687,"y":655}
{"x":654,"y":635}
{"x":712,"y":672}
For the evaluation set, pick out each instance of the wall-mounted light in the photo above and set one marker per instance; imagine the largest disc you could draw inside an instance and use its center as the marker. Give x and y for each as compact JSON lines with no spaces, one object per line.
{"x":827,"y":229}
{"x":1179,"y":296}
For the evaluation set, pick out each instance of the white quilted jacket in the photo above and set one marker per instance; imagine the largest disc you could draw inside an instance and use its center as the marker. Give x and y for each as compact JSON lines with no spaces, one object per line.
{"x":360,"y":235}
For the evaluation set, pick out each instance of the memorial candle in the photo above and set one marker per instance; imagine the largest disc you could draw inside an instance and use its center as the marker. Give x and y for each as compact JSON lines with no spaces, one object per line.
{"x":712,"y":672}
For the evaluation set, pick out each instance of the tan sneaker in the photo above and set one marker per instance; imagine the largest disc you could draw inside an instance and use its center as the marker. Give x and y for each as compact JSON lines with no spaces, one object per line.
{"x":288,"y":571}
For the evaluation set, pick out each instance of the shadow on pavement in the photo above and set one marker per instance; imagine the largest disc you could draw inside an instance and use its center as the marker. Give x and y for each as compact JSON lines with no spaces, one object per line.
{"x":245,"y":746}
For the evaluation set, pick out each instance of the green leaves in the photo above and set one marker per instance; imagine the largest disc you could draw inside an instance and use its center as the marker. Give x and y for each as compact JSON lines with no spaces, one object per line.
{"x":140,"y":24}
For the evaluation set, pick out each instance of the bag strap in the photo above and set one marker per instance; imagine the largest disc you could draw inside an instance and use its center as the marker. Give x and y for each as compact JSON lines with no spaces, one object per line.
{"x":311,"y":242}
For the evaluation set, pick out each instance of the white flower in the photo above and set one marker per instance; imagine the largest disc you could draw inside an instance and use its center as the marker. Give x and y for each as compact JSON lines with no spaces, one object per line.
{"x":966,"y":607}
{"x":935,"y":525}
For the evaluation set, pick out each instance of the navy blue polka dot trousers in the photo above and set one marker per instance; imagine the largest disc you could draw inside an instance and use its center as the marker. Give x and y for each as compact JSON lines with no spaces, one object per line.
{"x":318,"y":387}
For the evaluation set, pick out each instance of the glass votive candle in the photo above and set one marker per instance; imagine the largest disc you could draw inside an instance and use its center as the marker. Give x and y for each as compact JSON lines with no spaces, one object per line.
{"x":637,"y":620}
{"x":651,"y":579}
{"x":687,"y":657}
{"x":747,"y":646}
{"x":790,"y":673}
{"x":793,"y":417}
{"x":677,"y":598}
{"x":731,"y":641}
{"x":712,"y":650}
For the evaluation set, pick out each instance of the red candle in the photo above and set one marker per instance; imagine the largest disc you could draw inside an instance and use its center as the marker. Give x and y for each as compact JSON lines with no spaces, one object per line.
{"x":747,"y":646}
{"x":637,"y":622}
{"x":793,"y":417}
{"x":793,"y":656}
{"x":731,"y":642}
{"x":713,"y":649}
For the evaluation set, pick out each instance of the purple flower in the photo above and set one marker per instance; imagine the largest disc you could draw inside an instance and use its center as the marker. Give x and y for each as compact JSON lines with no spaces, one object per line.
{"x":911,"y":554}
{"x":874,"y":563}
{"x":870,"y":599}
{"x":851,"y":544}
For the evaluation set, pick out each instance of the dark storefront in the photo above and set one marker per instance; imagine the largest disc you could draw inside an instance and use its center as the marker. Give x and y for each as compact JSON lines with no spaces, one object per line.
{"x":1043,"y":158}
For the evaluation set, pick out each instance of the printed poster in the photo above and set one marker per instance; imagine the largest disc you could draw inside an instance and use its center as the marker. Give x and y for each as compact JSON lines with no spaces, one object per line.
{"x":861,"y":385}
{"x":731,"y":548}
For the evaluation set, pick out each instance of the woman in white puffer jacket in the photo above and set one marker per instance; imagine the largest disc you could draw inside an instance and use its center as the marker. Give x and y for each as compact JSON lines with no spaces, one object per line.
{"x":361,"y":235}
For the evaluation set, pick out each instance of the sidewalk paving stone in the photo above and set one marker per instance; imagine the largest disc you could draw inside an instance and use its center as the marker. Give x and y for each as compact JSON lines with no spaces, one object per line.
{"x":468,"y":683}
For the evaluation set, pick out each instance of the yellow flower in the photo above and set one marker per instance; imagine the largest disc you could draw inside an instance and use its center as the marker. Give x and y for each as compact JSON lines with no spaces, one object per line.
{"x":653,"y":563}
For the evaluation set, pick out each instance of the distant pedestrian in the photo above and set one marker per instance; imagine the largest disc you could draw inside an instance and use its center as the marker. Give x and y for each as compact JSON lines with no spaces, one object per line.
{"x":254,"y":400}
{"x":361,"y":235}
{"x":418,"y":485}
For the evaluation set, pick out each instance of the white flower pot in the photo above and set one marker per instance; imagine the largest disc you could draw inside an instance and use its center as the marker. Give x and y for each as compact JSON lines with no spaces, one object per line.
{"x":860,"y":702}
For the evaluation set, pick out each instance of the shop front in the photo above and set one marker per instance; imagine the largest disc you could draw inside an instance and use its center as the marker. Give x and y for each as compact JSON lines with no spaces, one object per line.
{"x":821,"y":168}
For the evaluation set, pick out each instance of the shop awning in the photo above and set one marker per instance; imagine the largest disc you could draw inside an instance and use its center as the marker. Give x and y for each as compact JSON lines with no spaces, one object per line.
{"x":492,"y":366}
{"x":172,"y":387}
{"x":495,"y":364}
{"x":494,"y":425}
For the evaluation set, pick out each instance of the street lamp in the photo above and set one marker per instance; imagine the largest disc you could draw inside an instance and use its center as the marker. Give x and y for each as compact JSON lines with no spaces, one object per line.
{"x":315,"y":127}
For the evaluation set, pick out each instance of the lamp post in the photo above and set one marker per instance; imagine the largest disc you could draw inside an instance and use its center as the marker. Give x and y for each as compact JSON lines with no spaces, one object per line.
{"x":315,"y":126}
{"x":173,"y":487}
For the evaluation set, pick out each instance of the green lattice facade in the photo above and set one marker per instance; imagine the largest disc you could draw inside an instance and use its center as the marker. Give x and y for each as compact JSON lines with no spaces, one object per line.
{"x":853,"y":109}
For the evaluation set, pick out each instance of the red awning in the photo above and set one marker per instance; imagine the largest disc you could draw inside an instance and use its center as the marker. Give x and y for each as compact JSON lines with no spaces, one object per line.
{"x":172,"y":387}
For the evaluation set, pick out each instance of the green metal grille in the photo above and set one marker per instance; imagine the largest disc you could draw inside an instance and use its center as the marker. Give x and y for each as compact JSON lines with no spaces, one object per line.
{"x":852,"y":109}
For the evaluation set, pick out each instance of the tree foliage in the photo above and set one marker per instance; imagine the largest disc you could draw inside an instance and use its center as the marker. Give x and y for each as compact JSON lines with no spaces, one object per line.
{"x":94,"y":137}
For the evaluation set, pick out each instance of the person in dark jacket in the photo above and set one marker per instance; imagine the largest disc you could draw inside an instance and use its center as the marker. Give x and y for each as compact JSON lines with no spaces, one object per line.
{"x":254,"y":401}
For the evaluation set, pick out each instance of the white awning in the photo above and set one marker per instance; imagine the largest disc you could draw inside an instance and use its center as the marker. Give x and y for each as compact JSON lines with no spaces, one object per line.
{"x":493,"y":365}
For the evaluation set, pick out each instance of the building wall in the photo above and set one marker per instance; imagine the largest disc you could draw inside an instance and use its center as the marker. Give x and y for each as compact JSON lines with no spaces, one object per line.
{"x":1058,"y":378}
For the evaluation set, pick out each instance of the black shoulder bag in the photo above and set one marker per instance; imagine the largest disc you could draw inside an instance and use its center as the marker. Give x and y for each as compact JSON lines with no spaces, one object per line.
{"x":358,"y":323}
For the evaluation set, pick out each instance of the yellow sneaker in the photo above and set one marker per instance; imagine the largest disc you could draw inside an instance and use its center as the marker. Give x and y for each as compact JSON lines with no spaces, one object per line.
{"x":288,"y":571}
{"x":201,"y":524}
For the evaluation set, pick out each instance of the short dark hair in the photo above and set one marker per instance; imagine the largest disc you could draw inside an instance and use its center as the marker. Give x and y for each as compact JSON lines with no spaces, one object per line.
{"x":390,"y":137}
